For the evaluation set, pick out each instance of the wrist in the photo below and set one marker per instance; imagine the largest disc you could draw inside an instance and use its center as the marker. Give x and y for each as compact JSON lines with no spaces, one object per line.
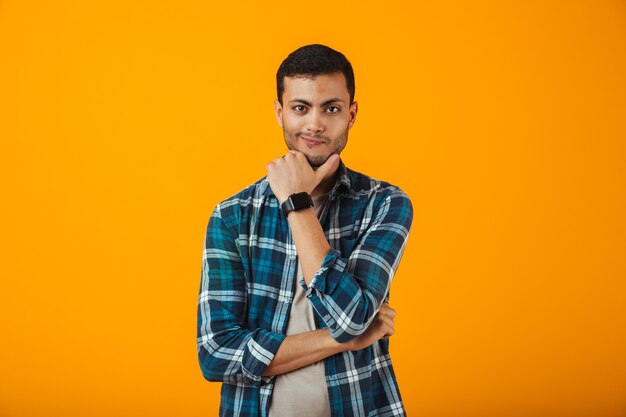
{"x":296,"y":202}
{"x":336,"y":346}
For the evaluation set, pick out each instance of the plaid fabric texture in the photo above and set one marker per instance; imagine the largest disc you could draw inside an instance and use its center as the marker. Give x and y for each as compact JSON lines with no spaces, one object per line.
{"x":248,"y":282}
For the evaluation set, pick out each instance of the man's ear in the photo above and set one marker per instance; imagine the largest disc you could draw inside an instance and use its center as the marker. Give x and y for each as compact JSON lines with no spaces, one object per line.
{"x":278,"y":109}
{"x":354,"y":109}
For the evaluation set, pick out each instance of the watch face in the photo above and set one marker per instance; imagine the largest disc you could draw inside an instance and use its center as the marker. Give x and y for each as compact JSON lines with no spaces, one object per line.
{"x":301,"y":201}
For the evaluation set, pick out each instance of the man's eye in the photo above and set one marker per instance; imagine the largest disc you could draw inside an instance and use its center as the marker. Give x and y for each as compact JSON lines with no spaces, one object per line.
{"x":299,"y":108}
{"x":332,"y":109}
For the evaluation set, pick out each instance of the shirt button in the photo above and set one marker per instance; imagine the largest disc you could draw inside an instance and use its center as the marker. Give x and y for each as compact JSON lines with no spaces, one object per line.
{"x":292,"y":257}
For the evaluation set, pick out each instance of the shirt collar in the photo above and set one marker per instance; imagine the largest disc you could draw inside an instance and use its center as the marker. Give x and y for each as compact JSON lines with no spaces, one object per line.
{"x":343,"y":182}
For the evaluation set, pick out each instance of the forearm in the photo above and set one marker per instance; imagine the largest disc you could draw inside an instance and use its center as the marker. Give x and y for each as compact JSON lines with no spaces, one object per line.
{"x":358,"y":304}
{"x":303,"y":349}
{"x":310,"y":241}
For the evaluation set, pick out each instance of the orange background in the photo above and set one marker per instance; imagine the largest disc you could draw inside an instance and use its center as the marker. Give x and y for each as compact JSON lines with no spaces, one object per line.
{"x":123,"y":123}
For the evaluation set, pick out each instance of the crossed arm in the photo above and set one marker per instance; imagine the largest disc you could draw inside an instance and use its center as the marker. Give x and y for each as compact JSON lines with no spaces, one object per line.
{"x":346,"y":290}
{"x":306,"y":348}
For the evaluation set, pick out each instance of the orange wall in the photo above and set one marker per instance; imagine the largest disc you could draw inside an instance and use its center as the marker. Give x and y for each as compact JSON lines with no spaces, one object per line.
{"x":123,"y":123}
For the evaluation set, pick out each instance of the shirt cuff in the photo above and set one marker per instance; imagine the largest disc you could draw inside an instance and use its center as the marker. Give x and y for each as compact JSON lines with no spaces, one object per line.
{"x":322,"y":280}
{"x":259,"y":352}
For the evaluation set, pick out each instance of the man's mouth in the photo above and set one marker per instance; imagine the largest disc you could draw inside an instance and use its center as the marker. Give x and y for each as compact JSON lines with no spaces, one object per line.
{"x":311,"y":141}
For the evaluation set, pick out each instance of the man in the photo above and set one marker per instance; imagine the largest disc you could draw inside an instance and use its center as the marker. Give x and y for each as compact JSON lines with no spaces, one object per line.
{"x":293,"y":315}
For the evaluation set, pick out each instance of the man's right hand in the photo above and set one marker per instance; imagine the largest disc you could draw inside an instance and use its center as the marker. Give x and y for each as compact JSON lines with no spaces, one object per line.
{"x":380,"y":327}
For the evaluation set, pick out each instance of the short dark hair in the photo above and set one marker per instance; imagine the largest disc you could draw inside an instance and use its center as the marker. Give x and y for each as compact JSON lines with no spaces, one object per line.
{"x":312,"y":60}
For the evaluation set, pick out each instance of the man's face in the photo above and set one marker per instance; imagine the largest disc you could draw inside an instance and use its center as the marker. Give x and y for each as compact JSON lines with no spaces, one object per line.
{"x":316,"y":115}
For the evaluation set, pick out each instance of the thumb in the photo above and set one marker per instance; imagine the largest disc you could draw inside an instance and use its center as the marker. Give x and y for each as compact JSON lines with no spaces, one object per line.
{"x":327,"y":167}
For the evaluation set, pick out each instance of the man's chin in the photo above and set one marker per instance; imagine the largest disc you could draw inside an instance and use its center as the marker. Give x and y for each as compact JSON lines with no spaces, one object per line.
{"x":316,"y":161}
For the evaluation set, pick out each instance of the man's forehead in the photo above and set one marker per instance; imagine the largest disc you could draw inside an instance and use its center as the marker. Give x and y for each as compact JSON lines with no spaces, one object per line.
{"x":324,"y":86}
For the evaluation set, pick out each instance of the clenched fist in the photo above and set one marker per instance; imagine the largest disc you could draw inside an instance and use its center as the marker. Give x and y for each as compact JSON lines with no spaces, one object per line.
{"x":293,"y":174}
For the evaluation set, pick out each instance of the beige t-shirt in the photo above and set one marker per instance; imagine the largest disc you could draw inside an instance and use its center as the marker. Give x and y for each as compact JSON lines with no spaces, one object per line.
{"x":302,"y":392}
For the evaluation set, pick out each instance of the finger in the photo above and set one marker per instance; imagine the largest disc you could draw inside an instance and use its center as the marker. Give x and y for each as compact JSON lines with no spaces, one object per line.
{"x":390,"y":323}
{"x":298,"y":156}
{"x":387,"y":311}
{"x":390,"y":311}
{"x":327,"y":167}
{"x":388,"y":331}
{"x":387,"y":322}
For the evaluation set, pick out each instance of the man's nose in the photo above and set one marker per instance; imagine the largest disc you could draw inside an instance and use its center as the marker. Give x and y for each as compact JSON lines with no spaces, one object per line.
{"x":314,"y":122}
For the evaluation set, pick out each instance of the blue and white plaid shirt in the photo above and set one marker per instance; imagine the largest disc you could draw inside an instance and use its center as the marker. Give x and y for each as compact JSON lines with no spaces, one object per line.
{"x":248,"y":284}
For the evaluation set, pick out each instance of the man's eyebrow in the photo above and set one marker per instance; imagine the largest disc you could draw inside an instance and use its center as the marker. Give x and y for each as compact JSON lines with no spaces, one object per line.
{"x":332,"y":100}
{"x":308,"y":103}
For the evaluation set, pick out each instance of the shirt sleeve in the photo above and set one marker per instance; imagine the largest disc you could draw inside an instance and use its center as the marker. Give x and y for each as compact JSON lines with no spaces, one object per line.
{"x":228,"y":351}
{"x":348,"y":289}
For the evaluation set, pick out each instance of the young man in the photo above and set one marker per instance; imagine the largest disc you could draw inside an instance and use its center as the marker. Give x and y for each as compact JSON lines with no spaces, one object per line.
{"x":293,"y":316}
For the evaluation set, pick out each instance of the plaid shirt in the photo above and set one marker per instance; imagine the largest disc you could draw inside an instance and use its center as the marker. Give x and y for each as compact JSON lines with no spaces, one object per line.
{"x":248,"y":283}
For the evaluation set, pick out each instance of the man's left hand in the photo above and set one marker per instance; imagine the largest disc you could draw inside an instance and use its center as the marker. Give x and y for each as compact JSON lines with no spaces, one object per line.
{"x":293,"y":174}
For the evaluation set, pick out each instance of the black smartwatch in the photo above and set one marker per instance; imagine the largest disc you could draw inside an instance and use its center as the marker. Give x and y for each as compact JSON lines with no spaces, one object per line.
{"x":295,"y":202}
